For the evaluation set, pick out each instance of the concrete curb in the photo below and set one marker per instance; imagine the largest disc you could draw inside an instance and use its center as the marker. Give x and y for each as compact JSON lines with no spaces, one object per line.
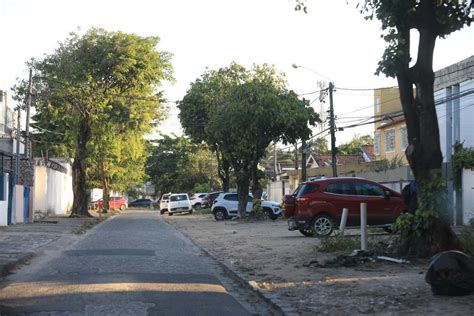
{"x":10,"y":261}
{"x":239,"y":277}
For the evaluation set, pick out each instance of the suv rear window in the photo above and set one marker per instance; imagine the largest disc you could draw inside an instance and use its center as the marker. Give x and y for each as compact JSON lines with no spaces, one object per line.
{"x":181,"y":197}
{"x":165,"y":197}
{"x":305,"y":189}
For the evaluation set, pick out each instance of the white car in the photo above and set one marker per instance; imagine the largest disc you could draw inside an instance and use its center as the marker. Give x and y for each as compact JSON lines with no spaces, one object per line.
{"x":164,"y":200}
{"x":226,"y":206}
{"x":196,"y":200}
{"x":179,"y":203}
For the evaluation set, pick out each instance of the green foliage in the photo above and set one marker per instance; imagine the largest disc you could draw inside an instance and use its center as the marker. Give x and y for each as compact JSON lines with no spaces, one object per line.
{"x":467,"y":239}
{"x":94,"y":99}
{"x":354,"y":146}
{"x":257,"y":206}
{"x":176,"y":164}
{"x":386,"y":164}
{"x":430,"y":197}
{"x":339,"y":243}
{"x":239,"y":112}
{"x":463,"y":158}
{"x":442,"y":17}
{"x":202,"y":187}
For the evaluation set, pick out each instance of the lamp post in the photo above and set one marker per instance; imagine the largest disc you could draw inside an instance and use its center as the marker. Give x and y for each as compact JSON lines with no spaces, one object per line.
{"x":332,"y":123}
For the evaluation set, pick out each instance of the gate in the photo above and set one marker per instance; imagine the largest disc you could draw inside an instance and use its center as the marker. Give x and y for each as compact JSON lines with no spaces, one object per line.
{"x":26,"y":204}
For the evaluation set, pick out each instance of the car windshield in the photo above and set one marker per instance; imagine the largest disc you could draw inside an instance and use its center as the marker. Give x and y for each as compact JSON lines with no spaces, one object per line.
{"x":165,"y":197}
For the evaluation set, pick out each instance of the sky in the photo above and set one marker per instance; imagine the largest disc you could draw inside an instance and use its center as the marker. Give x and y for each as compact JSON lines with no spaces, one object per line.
{"x":332,"y":42}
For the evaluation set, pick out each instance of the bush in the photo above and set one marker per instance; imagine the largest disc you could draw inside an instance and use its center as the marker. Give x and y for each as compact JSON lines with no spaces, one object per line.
{"x":339,"y":243}
{"x":467,"y":239}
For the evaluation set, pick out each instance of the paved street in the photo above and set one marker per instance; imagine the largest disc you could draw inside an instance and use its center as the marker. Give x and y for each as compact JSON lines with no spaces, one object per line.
{"x":131,"y":264}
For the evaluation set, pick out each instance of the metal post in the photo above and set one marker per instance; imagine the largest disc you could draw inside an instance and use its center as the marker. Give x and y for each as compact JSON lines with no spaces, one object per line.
{"x":342,"y":225}
{"x":363,"y":226}
{"x":332,"y":126}
{"x":27,"y":127}
{"x":275,"y":159}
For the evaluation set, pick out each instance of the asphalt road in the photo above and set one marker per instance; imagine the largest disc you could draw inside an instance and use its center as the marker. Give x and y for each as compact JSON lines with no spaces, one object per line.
{"x":132,"y":264}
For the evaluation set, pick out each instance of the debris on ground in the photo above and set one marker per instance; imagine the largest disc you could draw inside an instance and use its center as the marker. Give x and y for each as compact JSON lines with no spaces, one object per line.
{"x":355,"y":258}
{"x":390,"y":259}
{"x":451,"y":273}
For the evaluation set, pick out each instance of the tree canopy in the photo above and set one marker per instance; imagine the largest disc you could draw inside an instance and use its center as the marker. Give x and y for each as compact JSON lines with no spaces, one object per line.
{"x":100,"y":86}
{"x":239,"y":112}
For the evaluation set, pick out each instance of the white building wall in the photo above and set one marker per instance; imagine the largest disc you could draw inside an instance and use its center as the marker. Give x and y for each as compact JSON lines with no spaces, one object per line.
{"x":468,"y":195}
{"x":466,"y":108}
{"x":52,"y":191}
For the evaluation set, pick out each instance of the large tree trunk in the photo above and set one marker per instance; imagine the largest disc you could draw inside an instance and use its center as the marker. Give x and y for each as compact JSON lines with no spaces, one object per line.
{"x":243,"y":183}
{"x":223,"y":170}
{"x":105,"y":187}
{"x":255,"y":184}
{"x":424,"y":152}
{"x":79,"y":206}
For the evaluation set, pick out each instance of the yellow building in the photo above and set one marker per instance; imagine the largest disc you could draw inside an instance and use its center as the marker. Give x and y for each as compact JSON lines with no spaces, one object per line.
{"x":390,"y":132}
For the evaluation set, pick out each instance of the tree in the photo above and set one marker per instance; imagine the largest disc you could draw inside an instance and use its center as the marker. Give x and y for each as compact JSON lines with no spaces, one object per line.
{"x":354,"y":146}
{"x":202,"y":99}
{"x":92,"y":80}
{"x":249,"y":110}
{"x":178,"y":165}
{"x":428,"y":231}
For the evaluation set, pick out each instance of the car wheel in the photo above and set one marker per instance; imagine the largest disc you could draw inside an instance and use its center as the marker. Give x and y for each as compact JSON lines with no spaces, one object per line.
{"x":307,"y":232}
{"x":270,"y":214}
{"x":122,"y":207}
{"x":220,"y":214}
{"x":191,"y":211}
{"x":197,"y":206}
{"x":162,"y":212}
{"x":170,"y":214}
{"x":322,"y":225}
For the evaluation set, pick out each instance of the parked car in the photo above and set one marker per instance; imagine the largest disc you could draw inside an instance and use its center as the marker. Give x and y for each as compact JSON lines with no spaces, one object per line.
{"x":179,"y":203}
{"x":164,"y":200}
{"x":316,"y":206}
{"x":115,"y":202}
{"x":226,"y":206}
{"x":196,"y":200}
{"x":207,"y":200}
{"x":141,"y":203}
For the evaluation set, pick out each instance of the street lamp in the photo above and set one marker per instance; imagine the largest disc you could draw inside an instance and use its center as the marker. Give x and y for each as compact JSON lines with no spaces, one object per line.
{"x":332,"y":124}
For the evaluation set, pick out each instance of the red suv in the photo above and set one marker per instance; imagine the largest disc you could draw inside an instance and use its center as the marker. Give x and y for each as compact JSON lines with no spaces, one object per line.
{"x":316,"y":206}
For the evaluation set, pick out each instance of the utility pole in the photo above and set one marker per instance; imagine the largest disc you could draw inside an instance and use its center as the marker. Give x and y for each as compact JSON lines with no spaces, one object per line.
{"x":27,"y":127}
{"x":296,"y":157}
{"x":332,"y":126}
{"x":303,"y":161}
{"x":17,"y":157}
{"x":275,"y":159}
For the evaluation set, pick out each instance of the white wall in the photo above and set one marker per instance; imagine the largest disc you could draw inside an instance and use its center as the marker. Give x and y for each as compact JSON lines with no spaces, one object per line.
{"x":52,"y":191}
{"x":468,"y":195}
{"x":17,"y":208}
{"x":447,"y":121}
{"x":4,"y":203}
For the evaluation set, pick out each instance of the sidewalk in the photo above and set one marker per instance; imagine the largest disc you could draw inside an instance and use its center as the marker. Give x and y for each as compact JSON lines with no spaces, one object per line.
{"x":21,"y":242}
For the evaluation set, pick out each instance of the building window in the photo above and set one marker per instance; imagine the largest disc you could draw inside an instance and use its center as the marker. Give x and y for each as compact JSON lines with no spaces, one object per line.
{"x":377,"y":144}
{"x":2,"y":186}
{"x":377,"y":105}
{"x":390,"y":140}
{"x":403,"y":138}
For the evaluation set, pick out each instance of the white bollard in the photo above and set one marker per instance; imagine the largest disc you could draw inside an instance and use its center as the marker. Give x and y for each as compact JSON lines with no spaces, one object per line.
{"x":363,"y":226}
{"x":342,"y":225}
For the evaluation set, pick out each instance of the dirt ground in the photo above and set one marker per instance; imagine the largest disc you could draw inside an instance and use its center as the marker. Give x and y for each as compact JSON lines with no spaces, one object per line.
{"x":276,"y":261}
